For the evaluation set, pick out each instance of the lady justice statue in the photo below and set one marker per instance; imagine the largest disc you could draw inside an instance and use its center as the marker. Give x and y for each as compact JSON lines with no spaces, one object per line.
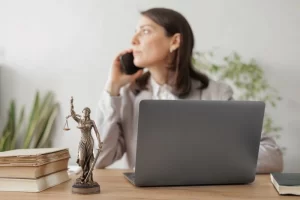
{"x":85,"y":158}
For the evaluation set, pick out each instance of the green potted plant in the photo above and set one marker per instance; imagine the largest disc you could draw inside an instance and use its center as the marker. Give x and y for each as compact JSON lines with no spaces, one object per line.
{"x":37,"y":131}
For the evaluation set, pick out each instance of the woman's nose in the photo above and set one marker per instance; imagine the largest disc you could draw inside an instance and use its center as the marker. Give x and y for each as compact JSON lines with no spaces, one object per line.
{"x":134,"y":40}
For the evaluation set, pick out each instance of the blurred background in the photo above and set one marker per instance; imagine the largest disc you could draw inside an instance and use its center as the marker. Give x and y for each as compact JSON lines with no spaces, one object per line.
{"x":65,"y":48}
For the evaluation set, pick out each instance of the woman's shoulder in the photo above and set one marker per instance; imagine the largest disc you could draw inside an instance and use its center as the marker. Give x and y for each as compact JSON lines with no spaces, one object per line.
{"x":217,"y":90}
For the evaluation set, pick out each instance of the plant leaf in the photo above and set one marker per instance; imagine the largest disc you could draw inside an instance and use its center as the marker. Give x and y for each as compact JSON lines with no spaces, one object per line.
{"x":5,"y":141}
{"x":44,"y":139}
{"x":10,"y":131}
{"x":44,"y":114}
{"x":18,"y":127}
{"x":32,"y":122}
{"x":21,"y":119}
{"x":39,"y":131}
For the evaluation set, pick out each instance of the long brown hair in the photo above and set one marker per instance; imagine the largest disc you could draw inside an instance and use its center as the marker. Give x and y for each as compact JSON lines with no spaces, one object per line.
{"x":181,"y":66}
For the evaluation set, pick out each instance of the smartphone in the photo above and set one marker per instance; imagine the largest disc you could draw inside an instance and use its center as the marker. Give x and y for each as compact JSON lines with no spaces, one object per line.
{"x":127,"y":64}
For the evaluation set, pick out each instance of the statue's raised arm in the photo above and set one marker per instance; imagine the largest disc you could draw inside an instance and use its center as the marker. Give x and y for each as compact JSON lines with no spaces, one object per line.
{"x":75,"y":116}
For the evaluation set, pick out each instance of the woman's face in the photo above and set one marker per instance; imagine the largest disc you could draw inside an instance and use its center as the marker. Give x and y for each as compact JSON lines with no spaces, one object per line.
{"x":150,"y":44}
{"x":85,"y":113}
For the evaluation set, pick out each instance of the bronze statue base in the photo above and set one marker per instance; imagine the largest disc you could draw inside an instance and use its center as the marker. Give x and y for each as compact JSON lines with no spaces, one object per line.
{"x":86,"y":188}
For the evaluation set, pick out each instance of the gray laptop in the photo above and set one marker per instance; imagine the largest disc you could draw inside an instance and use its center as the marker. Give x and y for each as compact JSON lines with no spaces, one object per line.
{"x":192,"y":142}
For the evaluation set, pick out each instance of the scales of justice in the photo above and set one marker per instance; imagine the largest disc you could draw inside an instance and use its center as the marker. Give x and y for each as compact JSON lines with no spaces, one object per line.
{"x":85,"y":158}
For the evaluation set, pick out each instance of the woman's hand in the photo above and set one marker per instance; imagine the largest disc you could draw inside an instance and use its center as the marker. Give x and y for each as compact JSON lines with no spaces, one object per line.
{"x":117,"y":78}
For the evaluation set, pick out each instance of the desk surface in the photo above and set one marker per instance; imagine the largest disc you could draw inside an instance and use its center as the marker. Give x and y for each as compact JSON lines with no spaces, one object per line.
{"x":115,"y":186}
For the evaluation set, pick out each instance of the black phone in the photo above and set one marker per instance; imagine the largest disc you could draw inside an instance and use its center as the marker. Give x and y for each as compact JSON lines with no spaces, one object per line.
{"x":127,"y":64}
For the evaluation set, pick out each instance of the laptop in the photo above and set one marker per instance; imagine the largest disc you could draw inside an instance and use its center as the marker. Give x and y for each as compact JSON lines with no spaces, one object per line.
{"x":192,"y":142}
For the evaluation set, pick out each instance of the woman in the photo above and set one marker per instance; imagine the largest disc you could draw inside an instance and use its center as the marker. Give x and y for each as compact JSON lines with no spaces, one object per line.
{"x":163,"y":43}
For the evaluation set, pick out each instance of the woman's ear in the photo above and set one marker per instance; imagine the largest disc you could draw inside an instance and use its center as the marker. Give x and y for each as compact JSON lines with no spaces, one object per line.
{"x":175,"y":42}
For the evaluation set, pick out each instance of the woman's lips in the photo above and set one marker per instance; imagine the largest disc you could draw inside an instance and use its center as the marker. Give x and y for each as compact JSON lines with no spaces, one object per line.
{"x":136,"y":52}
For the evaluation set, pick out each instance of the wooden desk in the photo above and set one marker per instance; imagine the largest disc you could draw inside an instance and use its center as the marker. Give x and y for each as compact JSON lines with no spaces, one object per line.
{"x":115,"y":186}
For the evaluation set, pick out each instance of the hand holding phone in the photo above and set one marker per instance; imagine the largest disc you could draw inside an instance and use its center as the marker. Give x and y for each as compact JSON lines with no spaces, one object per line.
{"x":123,"y":72}
{"x":127,"y":64}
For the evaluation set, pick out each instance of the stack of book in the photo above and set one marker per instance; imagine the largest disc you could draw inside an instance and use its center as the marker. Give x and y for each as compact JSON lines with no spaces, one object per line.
{"x":33,"y":170}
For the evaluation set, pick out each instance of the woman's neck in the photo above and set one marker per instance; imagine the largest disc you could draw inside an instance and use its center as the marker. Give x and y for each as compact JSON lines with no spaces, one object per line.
{"x":159,"y":74}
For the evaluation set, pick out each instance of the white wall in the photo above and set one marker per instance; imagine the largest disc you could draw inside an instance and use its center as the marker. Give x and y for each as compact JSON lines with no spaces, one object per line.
{"x":68,"y":46}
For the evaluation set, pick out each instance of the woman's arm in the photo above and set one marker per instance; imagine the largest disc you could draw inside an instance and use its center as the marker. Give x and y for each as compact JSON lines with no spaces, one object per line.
{"x":112,"y":127}
{"x":270,"y":157}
